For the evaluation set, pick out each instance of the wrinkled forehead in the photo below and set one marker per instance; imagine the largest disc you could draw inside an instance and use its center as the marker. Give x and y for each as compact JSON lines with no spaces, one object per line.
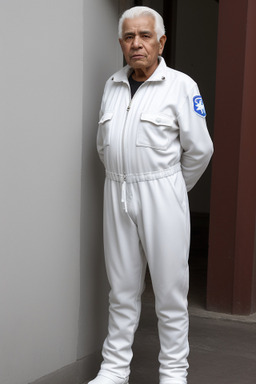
{"x":139,"y":23}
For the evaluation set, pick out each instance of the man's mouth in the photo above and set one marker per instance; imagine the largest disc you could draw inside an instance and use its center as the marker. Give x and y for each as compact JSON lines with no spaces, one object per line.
{"x":137,"y":56}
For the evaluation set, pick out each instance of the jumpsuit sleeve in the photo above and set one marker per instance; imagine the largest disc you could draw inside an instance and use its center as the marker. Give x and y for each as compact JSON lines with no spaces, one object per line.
{"x":100,"y":146}
{"x":100,"y":135}
{"x":195,"y":140}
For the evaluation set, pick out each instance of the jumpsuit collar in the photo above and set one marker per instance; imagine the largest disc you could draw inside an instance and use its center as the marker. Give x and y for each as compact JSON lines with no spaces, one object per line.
{"x":158,"y":75}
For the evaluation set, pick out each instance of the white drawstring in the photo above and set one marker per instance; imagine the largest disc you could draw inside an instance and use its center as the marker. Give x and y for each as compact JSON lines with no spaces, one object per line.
{"x":139,"y":177}
{"x":124,"y":196}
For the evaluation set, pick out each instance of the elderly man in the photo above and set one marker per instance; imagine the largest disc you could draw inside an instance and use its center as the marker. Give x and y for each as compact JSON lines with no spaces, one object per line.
{"x":154,"y":143}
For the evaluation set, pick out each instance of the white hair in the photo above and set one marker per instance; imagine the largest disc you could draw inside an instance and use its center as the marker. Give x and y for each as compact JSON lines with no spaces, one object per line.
{"x":142,"y":11}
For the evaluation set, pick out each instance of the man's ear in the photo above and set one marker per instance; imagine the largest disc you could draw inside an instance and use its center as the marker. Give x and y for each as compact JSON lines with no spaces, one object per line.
{"x":162,"y":42}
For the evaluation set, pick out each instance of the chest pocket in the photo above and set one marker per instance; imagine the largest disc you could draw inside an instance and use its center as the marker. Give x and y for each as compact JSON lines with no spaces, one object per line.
{"x":104,"y":128}
{"x":155,"y":131}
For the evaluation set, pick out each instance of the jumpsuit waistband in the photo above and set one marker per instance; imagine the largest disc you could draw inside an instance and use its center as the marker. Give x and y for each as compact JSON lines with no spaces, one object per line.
{"x":138,"y":177}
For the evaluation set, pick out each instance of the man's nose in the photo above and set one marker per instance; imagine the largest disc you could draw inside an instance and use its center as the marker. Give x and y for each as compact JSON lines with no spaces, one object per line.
{"x":136,"y":42}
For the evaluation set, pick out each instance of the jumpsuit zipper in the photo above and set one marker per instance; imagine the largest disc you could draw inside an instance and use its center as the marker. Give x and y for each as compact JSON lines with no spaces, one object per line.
{"x":124,"y":194}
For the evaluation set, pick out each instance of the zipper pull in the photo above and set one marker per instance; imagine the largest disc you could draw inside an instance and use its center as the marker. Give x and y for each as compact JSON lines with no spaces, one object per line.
{"x":128,"y":108}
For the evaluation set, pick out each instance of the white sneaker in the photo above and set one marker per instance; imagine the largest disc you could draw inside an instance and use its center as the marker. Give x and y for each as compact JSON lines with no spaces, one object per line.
{"x":100,"y":379}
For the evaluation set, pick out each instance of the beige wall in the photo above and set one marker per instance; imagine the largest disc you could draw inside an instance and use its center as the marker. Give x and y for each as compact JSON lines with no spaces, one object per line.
{"x":54,"y":64}
{"x":102,"y":57}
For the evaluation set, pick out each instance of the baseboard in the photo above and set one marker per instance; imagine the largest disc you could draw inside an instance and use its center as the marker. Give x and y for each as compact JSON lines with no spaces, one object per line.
{"x":79,"y":372}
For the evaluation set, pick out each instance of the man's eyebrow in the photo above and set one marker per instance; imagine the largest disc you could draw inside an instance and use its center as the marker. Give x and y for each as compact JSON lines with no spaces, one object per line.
{"x":129,"y":34}
{"x":146,"y":32}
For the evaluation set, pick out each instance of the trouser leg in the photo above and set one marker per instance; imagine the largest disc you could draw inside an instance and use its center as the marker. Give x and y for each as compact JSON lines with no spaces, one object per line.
{"x":165,"y":236}
{"x":125,"y":267}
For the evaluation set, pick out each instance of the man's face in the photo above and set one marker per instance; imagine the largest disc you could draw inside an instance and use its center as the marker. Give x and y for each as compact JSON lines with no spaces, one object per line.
{"x":140,"y":45}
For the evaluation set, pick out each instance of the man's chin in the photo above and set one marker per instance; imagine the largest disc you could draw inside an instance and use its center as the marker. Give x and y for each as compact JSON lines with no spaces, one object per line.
{"x":137,"y":64}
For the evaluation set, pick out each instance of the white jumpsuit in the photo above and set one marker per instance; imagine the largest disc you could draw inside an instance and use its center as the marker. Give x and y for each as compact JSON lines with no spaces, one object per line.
{"x":154,"y":147}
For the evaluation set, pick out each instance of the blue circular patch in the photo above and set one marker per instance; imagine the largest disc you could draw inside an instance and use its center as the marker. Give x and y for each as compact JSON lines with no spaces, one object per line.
{"x":199,"y":106}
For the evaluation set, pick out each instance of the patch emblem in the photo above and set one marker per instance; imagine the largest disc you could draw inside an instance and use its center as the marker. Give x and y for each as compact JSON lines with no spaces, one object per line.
{"x":199,"y":106}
